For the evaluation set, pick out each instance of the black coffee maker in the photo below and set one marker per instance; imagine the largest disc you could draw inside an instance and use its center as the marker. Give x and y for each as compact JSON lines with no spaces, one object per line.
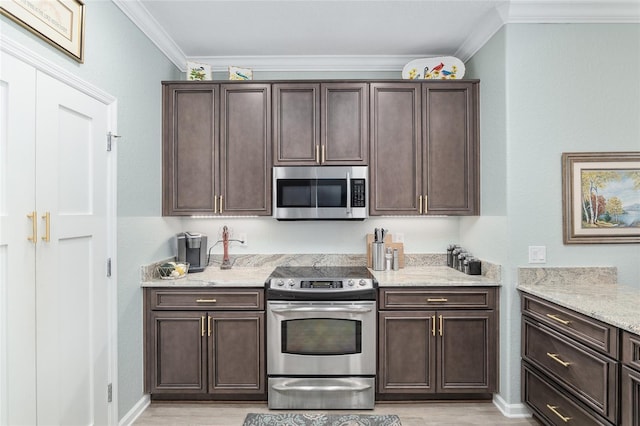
{"x":192,"y":248}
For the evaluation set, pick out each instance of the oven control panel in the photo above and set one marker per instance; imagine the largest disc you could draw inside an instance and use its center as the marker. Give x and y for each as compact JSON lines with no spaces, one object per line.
{"x":347,"y":284}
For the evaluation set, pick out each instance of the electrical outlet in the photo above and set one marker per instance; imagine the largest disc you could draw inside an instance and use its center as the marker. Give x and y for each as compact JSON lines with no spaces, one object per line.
{"x":243,"y":237}
{"x":537,"y":254}
{"x":398,"y":237}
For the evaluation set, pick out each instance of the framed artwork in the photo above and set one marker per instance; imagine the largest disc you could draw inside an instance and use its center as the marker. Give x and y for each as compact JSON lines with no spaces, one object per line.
{"x":601,"y":197}
{"x":237,"y":73}
{"x":198,"y":72}
{"x":59,"y":22}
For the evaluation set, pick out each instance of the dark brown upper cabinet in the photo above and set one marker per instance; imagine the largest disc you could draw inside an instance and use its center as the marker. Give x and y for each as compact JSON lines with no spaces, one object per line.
{"x":216,"y":149}
{"x":424,"y":148}
{"x":320,"y":123}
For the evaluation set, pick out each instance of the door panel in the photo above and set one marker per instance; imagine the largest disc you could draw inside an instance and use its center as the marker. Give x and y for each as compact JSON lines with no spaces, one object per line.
{"x":17,"y":254}
{"x":72,"y":302}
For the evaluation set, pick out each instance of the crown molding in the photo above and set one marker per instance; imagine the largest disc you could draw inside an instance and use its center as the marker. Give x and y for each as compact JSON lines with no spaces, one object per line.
{"x":309,"y":62}
{"x":506,"y":12}
{"x":140,"y":16}
{"x":575,"y":12}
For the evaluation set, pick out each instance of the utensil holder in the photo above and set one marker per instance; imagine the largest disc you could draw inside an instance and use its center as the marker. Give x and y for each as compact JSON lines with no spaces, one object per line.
{"x":377,"y":250}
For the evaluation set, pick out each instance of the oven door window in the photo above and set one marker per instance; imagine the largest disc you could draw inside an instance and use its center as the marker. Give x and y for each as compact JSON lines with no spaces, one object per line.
{"x":321,"y":336}
{"x":332,"y":192}
{"x":296,"y":193}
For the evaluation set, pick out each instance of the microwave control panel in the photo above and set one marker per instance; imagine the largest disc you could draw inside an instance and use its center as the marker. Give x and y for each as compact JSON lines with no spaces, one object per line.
{"x":358,"y":195}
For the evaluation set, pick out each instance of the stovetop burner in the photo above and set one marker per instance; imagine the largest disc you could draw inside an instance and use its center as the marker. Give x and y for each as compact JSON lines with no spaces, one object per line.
{"x":321,"y":283}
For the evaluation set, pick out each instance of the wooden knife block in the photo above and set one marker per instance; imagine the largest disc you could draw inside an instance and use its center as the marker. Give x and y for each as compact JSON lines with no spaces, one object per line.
{"x":387,"y":244}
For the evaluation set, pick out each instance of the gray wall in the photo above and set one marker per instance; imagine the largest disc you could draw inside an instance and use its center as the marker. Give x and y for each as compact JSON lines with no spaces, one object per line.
{"x":548,"y":89}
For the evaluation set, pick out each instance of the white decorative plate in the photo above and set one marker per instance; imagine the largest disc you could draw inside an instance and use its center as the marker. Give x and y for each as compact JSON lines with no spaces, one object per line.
{"x":437,"y":68}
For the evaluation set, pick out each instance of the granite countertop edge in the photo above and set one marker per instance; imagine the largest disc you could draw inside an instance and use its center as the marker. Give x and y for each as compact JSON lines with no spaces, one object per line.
{"x":611,"y":303}
{"x":251,"y":277}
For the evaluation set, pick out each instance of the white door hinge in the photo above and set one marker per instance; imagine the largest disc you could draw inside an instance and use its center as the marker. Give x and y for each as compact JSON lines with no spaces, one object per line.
{"x":110,"y":137}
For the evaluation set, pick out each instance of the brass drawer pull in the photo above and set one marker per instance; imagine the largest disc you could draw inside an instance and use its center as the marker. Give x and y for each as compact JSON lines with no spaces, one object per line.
{"x":34,"y":228}
{"x":420,"y":208}
{"x":206,"y":300}
{"x":560,"y":320}
{"x":441,"y":325}
{"x":558,"y":360}
{"x":202,"y":326}
{"x":555,"y":411}
{"x":47,"y":222}
{"x":437,"y":299}
{"x":209,"y":326}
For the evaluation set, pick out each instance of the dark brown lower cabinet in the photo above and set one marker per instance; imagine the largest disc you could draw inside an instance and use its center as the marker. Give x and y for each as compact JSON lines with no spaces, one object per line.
{"x":630,"y":397}
{"x":437,"y":353}
{"x":217,"y":353}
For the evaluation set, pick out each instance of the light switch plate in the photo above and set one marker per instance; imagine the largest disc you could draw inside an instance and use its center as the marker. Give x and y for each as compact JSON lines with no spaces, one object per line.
{"x":537,"y":254}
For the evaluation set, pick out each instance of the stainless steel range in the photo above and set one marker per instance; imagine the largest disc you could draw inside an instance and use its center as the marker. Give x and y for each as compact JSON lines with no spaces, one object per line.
{"x":321,"y":338}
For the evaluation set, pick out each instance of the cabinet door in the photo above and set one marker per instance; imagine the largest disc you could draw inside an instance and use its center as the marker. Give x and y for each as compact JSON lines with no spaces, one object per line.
{"x":190,"y":149}
{"x":467,"y":353}
{"x":630,"y":398}
{"x":344,"y":124}
{"x":236,"y":353}
{"x":245,"y":142}
{"x":177,"y":362}
{"x":406,"y":352}
{"x":395,"y":148}
{"x":296,"y":124}
{"x":451,"y":152}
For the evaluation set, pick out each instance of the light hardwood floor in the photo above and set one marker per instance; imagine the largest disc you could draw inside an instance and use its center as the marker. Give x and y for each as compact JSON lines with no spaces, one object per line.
{"x":411,"y":414}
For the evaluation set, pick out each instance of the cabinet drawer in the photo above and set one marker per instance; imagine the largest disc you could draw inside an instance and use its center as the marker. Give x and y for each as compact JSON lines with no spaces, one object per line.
{"x":584,"y":329}
{"x":433,"y":298}
{"x":631,"y":350}
{"x":630,"y":398}
{"x":553,"y":406}
{"x":206,"y":299}
{"x":590,"y":376}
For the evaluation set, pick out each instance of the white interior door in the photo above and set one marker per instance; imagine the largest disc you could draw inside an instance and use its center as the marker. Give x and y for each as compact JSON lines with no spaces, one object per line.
{"x":72,"y":297}
{"x":17,"y":254}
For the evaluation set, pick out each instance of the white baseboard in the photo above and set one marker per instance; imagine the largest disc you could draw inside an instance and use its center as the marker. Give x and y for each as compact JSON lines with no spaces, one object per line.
{"x":513,"y":411}
{"x":136,"y":411}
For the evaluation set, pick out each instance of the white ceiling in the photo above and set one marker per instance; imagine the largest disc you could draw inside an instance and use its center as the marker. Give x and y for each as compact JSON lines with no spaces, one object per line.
{"x":277,"y":35}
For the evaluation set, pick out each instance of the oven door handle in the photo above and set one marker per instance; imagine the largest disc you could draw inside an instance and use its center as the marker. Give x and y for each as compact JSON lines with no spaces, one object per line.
{"x":354,"y":387}
{"x":321,"y":310}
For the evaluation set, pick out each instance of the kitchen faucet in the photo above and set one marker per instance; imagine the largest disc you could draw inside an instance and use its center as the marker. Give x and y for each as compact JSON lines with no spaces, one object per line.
{"x":226,"y":264}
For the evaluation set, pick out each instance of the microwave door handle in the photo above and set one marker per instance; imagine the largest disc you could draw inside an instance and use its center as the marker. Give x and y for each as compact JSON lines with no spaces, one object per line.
{"x":348,"y":194}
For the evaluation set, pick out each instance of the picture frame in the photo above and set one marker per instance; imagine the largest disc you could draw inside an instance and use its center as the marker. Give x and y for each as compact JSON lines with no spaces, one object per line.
{"x":237,"y":73}
{"x":198,"y":72}
{"x":601,"y":197}
{"x":58,"y":22}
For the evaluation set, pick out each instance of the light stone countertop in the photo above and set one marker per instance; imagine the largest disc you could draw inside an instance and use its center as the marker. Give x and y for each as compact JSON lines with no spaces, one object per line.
{"x":213,"y":276}
{"x":590,"y":291}
{"x":430,"y":276}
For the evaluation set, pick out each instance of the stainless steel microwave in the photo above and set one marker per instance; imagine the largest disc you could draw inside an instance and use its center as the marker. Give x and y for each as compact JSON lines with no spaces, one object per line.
{"x":320,"y":192}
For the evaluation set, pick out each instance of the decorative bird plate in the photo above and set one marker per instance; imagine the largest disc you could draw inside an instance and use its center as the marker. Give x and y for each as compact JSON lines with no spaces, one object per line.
{"x":437,"y":68}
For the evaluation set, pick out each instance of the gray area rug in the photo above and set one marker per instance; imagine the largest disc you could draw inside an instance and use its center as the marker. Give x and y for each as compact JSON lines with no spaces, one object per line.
{"x":300,"y":419}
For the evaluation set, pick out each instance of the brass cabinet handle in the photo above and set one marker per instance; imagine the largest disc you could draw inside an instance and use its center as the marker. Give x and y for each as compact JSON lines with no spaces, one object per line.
{"x":209,"y":327}
{"x":560,"y":320}
{"x":558,"y":360}
{"x":215,"y":204}
{"x":426,"y":206}
{"x":34,"y":227}
{"x":437,"y":299}
{"x":206,"y":300}
{"x":318,"y":154}
{"x":554,"y":409}
{"x":220,"y":205}
{"x":433,"y":326}
{"x":202,"y":326}
{"x":441,"y":325}
{"x":323,"y":156}
{"x":47,"y":227}
{"x":420,"y":203}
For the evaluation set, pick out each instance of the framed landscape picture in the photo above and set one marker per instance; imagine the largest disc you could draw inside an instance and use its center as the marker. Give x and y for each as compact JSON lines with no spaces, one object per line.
{"x":59,"y":22}
{"x":601,"y":197}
